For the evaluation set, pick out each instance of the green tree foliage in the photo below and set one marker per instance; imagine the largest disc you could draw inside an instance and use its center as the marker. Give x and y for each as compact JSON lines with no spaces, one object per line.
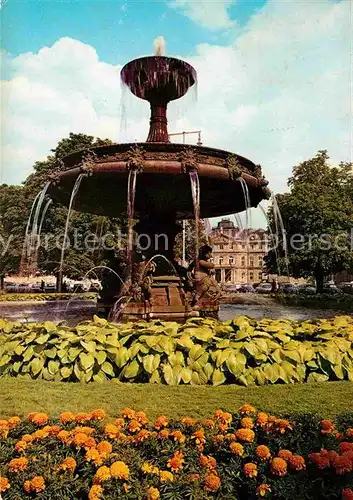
{"x":317,"y":215}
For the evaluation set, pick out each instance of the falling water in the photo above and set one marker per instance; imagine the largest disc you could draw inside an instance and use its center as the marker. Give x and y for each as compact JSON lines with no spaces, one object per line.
{"x":195,"y":191}
{"x":25,"y":248}
{"x":44,"y":213}
{"x":131,"y":191}
{"x":279,"y":222}
{"x":157,"y":256}
{"x":247,"y":216}
{"x":274,"y":237}
{"x":208,"y":229}
{"x":118,"y":308}
{"x":72,"y":199}
{"x":38,"y":209}
{"x":238,"y":222}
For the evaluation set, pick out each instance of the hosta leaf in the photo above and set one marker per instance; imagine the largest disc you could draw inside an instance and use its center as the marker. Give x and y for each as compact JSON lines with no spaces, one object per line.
{"x":101,"y":356}
{"x":108,"y":368}
{"x":29,"y":352}
{"x":86,"y":361}
{"x":73,"y":353}
{"x":171,"y":374}
{"x":185,"y":342}
{"x":36,"y":365}
{"x":88,"y":346}
{"x":151,"y":362}
{"x":122,"y":357}
{"x":19,"y":349}
{"x":218,"y":377}
{"x":53,"y":367}
{"x":49,"y":326}
{"x":42,"y":339}
{"x":317,"y":377}
{"x":186,"y":374}
{"x":50,"y":353}
{"x":100,"y":377}
{"x":66,"y":371}
{"x":155,"y":378}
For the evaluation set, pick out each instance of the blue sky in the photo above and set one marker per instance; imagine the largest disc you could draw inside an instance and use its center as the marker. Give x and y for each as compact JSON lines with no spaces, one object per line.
{"x":274,"y":76}
{"x":119,"y":30}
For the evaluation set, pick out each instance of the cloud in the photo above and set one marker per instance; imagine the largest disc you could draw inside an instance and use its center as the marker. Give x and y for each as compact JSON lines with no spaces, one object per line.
{"x":210,"y":14}
{"x":277,"y":94}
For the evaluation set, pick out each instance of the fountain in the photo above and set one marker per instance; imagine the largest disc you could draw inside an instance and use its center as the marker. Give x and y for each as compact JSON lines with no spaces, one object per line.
{"x":158,"y":184}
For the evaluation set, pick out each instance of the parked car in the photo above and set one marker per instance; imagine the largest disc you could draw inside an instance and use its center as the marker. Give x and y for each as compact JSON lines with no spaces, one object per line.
{"x":50,"y":288}
{"x":264,"y":288}
{"x":330,"y":288}
{"x":11,"y":287}
{"x":288,"y":288}
{"x":307,"y":289}
{"x":346,"y":287}
{"x":246,"y":289}
{"x":230,"y":288}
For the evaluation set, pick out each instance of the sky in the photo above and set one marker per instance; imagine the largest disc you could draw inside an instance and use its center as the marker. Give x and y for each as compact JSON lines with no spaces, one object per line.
{"x":274,"y":77}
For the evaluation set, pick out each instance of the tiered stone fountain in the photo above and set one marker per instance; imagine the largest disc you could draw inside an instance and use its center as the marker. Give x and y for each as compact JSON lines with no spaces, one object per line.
{"x":166,"y":183}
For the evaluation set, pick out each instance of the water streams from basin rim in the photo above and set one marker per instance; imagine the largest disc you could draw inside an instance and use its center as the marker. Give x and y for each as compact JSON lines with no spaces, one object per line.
{"x":72,"y":199}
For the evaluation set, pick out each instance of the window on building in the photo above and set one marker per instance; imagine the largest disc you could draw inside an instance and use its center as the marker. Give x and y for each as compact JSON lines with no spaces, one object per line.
{"x":259,"y":275}
{"x":231,"y":260}
{"x":251,"y":261}
{"x":260,"y":261}
{"x":221,"y":261}
{"x":221,"y":247}
{"x":243,"y":276}
{"x":243,"y":261}
{"x":218,"y":275}
{"x":251,"y":276}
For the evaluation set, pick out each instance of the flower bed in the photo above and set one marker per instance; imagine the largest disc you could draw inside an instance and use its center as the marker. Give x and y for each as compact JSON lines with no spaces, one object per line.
{"x":201,"y":351}
{"x":246,"y":455}
{"x":46,"y":297}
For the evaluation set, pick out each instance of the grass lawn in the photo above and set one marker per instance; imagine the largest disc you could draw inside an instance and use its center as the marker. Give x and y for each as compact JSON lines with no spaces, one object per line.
{"x":19,"y":397}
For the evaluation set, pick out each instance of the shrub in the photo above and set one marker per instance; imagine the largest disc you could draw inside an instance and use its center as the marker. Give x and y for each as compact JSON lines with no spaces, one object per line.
{"x":338,"y":302}
{"x":83,"y":456}
{"x":43,"y":297}
{"x":201,"y":351}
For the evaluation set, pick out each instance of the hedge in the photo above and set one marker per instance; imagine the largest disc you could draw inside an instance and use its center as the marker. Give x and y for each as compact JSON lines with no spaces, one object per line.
{"x":338,"y":302}
{"x":246,"y":455}
{"x":201,"y":351}
{"x":42,"y":297}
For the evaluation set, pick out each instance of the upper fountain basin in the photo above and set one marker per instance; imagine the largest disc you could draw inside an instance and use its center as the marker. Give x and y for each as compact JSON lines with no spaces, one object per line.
{"x":158,"y":79}
{"x":163,"y":182}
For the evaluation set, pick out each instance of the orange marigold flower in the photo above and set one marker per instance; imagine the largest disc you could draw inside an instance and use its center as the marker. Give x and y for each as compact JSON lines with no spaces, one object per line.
{"x":40,"y":434}
{"x":37,"y":484}
{"x":95,"y":493}
{"x":349,"y":432}
{"x":104,"y":448}
{"x":176,"y":462}
{"x":152,"y":494}
{"x":142,"y":435}
{"x":141,"y":417}
{"x":66,"y":417}
{"x":199,"y":436}
{"x":119,"y":422}
{"x":80,"y":439}
{"x":165,"y":476}
{"x":188,"y":421}
{"x":236,"y":449}
{"x":230,"y":437}
{"x":247,"y":409}
{"x":296,"y":462}
{"x":163,"y":434}
{"x":321,"y":461}
{"x":209,"y":423}
{"x":148,"y":468}
{"x":18,"y":464}
{"x":345,"y":446}
{"x":246,"y":435}
{"x":83,"y":430}
{"x":194,"y":477}
{"x":250,"y":469}
{"x":339,"y":436}
{"x":102,"y":474}
{"x":68,"y":464}
{"x":262,"y":419}
{"x":40,"y":419}
{"x":284,"y":454}
{"x":279,"y":467}
{"x":178,"y":436}
{"x":347,"y":494}
{"x":263,"y":489}
{"x":111,"y":431}
{"x":13,"y":421}
{"x":134,"y":426}
{"x":218,"y":440}
{"x":263,"y":452}
{"x":20,"y":446}
{"x":342,"y":465}
{"x":27,"y":486}
{"x":212,"y":482}
{"x":63,"y":436}
{"x":54,"y":430}
{"x":161,"y":421}
{"x":331,"y":454}
{"x":119,"y":470}
{"x":98,"y":414}
{"x":282,"y":425}
{"x":128,"y":413}
{"x":27,"y":438}
{"x":94,"y":456}
{"x":223,"y":417}
{"x":31,"y":415}
{"x":208,"y":461}
{"x":247,"y":422}
{"x":83,"y":417}
{"x":327,"y":426}
{"x":4,"y":484}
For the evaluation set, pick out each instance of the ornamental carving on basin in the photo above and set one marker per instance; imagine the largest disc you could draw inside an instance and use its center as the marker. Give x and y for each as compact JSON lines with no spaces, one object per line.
{"x":136,"y":159}
{"x":188,"y":160}
{"x":88,"y":162}
{"x":234,"y":167}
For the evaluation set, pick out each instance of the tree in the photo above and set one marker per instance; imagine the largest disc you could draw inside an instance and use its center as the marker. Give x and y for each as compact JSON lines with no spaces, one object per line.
{"x":317,"y":216}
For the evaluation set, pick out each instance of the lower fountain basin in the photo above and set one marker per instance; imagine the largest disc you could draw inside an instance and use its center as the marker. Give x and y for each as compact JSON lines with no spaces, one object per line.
{"x":163,"y":183}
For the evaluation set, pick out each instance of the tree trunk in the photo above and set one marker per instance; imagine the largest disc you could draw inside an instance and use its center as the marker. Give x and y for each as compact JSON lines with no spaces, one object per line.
{"x":319,"y":277}
{"x":2,"y":282}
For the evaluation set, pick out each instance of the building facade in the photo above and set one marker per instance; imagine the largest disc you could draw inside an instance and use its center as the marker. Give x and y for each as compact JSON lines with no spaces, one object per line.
{"x":238,"y":254}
